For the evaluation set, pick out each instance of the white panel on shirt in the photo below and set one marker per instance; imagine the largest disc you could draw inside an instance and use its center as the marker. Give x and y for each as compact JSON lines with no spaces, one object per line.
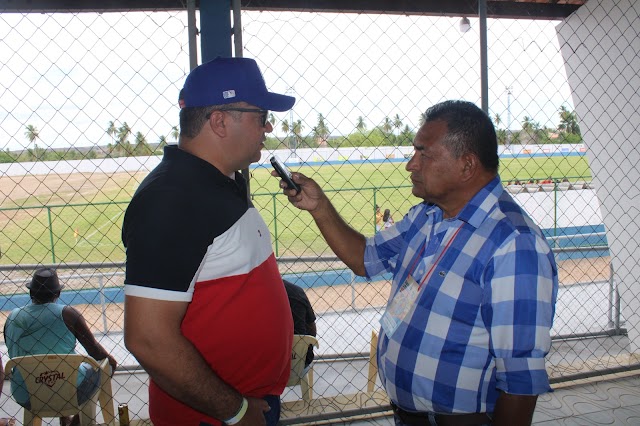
{"x":158,"y":294}
{"x":237,"y":251}
{"x":244,"y":246}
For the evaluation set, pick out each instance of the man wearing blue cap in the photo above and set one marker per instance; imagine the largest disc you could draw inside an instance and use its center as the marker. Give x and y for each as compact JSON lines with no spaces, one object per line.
{"x":206,"y":312}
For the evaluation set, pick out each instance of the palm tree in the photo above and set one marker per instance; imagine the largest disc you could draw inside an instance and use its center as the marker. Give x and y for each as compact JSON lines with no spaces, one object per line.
{"x":31,"y":133}
{"x":175,"y":133}
{"x":568,"y":121}
{"x":497,"y":120}
{"x":162,"y":142}
{"x":272,"y":119}
{"x":501,"y":135}
{"x":387,"y":126}
{"x":361,"y":125}
{"x":527,"y":124}
{"x":141,"y":147}
{"x":321,"y":131}
{"x":397,"y":123}
{"x":531,"y":130}
{"x":111,"y":129}
{"x":286,"y":128}
{"x":406,"y":137}
{"x":122,"y":143}
{"x":297,"y":131}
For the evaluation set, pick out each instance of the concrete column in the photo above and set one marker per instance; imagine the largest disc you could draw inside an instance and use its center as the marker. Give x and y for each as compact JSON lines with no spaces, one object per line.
{"x":601,"y":49}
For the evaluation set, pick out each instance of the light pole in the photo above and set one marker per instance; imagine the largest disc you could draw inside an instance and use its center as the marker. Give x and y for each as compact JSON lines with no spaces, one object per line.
{"x":509,"y":92}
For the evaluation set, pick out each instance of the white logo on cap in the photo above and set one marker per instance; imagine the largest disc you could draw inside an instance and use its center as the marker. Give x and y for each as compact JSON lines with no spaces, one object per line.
{"x":229,"y":94}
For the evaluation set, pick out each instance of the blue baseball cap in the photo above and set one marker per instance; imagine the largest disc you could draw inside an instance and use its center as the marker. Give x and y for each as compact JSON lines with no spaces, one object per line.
{"x":228,"y":80}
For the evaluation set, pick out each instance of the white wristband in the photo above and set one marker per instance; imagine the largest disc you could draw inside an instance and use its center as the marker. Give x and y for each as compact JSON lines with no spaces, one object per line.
{"x":240,"y":414}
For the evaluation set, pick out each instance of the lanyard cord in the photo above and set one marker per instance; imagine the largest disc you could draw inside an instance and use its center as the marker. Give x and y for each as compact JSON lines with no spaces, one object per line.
{"x":433,"y":265}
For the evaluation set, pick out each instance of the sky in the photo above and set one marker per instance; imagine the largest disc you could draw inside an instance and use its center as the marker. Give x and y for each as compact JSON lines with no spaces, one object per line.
{"x":70,"y":74}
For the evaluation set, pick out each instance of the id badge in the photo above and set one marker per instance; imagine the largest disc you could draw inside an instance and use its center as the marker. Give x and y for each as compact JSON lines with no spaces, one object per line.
{"x":399,"y":306}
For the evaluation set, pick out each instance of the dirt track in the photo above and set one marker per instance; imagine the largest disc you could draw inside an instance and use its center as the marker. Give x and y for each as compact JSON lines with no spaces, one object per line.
{"x":15,"y":190}
{"x":325,"y":298}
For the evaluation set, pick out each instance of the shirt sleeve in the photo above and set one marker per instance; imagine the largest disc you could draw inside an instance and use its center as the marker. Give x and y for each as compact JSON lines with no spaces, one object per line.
{"x":382,"y":250}
{"x":165,"y":244}
{"x":522,"y":283}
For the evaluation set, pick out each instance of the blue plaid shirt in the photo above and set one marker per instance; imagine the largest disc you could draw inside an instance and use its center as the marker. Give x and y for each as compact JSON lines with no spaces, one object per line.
{"x":481,"y":322}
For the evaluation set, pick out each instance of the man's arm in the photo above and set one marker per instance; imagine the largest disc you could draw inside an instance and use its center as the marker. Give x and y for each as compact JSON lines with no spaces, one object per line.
{"x":524,"y":300}
{"x":76,"y":323}
{"x":347,"y":243}
{"x":514,"y":410}
{"x":152,"y":334}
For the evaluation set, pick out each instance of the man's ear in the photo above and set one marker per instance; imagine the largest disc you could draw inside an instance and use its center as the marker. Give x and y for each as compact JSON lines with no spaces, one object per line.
{"x":470,"y":164}
{"x":217,"y":123}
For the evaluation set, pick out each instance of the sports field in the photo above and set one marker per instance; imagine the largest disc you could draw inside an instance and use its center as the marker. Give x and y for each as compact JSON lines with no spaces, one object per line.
{"x":78,"y":217}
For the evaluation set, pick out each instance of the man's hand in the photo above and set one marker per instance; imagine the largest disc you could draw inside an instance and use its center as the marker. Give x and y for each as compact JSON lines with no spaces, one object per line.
{"x":347,"y":243}
{"x":255,"y":413}
{"x":514,"y":410}
{"x":113,"y":363}
{"x":310,"y":195}
{"x":153,"y":335}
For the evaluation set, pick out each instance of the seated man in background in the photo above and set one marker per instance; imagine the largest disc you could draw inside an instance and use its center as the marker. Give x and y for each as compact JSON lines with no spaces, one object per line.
{"x":45,"y":327}
{"x":304,"y":319}
{"x":379,"y":216}
{"x":387,"y":219}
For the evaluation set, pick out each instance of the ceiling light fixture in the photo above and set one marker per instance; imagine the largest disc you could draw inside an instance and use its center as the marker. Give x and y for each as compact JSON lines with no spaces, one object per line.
{"x":465,"y":25}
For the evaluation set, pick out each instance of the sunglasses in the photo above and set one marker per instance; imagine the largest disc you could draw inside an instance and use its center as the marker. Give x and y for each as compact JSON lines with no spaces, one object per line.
{"x":263,"y":113}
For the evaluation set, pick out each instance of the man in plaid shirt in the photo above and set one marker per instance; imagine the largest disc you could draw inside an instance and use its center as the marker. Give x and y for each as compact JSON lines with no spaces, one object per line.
{"x":467,"y":325}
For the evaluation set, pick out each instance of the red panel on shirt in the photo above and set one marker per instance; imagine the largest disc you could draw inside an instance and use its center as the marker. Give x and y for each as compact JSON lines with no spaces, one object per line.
{"x":222,"y":321}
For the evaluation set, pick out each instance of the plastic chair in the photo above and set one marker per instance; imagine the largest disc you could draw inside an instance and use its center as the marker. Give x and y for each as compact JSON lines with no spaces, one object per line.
{"x":51,"y":382}
{"x":299,"y":374}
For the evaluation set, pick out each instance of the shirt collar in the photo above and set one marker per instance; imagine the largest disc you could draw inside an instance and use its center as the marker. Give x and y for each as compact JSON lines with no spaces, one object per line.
{"x":202,"y":169}
{"x":478,"y":208}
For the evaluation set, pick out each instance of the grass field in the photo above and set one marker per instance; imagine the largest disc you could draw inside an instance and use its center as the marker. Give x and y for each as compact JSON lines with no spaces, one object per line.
{"x":77,"y":218}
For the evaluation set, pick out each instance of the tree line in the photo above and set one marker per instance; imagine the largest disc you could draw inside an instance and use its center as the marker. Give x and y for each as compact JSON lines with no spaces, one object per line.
{"x":393,"y":132}
{"x":121,"y":146}
{"x":390,"y":132}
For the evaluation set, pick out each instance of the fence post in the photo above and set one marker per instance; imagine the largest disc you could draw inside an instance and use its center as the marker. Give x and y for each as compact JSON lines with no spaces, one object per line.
{"x":611,"y":293}
{"x":617,"y":303}
{"x":53,"y":250}
{"x":275,"y":223}
{"x":375,"y":203}
{"x":555,"y":208}
{"x":353,"y":290}
{"x":102,"y":303}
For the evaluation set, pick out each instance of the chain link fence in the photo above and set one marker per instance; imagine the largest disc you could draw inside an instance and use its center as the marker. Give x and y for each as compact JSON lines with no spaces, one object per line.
{"x":90,"y":99}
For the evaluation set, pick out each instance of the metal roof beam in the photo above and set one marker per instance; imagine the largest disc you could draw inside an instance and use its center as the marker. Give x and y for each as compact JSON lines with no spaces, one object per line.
{"x":495,"y":9}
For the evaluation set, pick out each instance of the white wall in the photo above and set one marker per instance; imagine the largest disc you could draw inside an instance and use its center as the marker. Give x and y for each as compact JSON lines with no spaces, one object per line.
{"x":600,"y":44}
{"x":303,"y":155}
